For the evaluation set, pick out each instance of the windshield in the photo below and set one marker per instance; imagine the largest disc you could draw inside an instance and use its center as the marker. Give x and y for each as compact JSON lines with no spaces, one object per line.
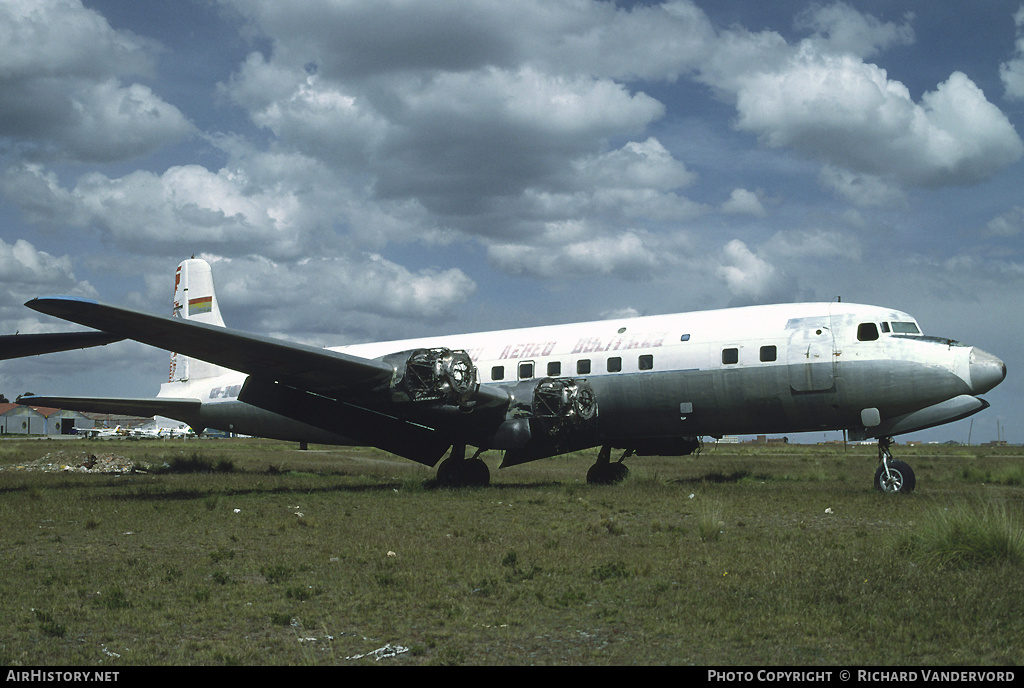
{"x":905,"y":328}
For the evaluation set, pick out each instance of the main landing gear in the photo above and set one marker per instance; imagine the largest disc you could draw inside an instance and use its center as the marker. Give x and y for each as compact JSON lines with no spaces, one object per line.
{"x":458,"y":471}
{"x":604,"y":472}
{"x":892,"y":475}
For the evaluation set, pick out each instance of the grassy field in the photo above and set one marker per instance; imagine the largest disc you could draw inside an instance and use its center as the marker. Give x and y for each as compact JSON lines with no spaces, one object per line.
{"x":743,"y":555}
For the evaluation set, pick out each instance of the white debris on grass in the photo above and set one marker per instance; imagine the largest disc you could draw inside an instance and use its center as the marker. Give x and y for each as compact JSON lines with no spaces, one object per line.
{"x":380,"y":653}
{"x":77,"y":462}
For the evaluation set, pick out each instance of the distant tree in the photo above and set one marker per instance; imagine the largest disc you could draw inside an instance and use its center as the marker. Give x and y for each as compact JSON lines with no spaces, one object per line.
{"x":3,"y":399}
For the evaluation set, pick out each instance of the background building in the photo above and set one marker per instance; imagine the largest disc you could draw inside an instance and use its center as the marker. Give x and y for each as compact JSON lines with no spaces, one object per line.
{"x":16,"y":419}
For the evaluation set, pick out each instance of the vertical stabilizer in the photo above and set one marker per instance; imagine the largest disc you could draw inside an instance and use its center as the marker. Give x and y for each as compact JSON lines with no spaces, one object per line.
{"x":194,"y":296}
{"x":194,"y":299}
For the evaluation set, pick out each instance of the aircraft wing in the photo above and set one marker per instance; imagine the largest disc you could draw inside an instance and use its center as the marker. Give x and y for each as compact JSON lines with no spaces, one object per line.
{"x":171,"y":408}
{"x":344,"y":394}
{"x":305,"y":367}
{"x":21,"y":345}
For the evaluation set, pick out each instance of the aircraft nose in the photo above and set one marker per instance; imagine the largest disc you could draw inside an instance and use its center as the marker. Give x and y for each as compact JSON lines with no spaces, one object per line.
{"x":987,"y":371}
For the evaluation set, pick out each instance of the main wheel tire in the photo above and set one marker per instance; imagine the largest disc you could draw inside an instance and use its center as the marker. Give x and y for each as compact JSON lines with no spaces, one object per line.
{"x":463,"y":473}
{"x":901,"y":478}
{"x":607,"y":473}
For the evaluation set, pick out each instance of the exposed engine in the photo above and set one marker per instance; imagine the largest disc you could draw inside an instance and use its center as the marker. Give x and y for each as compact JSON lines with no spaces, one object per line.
{"x":563,"y":405}
{"x":547,"y":417}
{"x":435,"y":375}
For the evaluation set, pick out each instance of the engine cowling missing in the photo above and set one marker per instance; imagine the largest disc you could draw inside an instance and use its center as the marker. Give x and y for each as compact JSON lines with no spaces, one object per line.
{"x":547,"y":417}
{"x":438,"y":376}
{"x":563,"y":405}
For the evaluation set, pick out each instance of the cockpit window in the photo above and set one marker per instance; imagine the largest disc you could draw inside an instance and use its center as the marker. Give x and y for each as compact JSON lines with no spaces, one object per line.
{"x":905,"y":328}
{"x":867,"y":332}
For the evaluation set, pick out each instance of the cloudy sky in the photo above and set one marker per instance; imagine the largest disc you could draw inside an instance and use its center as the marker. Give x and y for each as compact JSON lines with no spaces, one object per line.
{"x":358,"y":171}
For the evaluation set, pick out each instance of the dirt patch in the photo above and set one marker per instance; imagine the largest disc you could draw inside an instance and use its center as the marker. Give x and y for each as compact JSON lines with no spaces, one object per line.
{"x":76,"y":462}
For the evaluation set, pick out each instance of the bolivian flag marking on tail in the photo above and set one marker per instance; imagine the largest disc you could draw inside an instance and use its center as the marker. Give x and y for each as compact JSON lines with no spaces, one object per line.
{"x":203,"y":304}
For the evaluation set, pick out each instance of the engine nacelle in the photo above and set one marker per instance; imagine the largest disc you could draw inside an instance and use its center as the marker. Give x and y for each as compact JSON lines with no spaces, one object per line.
{"x":562,"y":405}
{"x":547,"y":417}
{"x":433,"y":376}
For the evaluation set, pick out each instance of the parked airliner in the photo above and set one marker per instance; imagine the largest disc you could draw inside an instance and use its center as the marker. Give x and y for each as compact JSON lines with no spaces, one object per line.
{"x":647,"y":386}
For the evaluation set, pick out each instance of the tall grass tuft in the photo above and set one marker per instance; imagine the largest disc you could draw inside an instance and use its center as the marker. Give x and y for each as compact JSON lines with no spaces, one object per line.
{"x":710,"y":520}
{"x":1004,"y":475}
{"x":968,"y":535}
{"x":195,"y":462}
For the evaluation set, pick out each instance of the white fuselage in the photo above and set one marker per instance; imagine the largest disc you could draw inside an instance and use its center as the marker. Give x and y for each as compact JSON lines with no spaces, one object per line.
{"x":779,"y":368}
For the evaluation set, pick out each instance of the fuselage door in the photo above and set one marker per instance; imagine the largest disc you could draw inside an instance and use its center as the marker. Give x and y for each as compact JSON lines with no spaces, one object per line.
{"x":810,"y":359}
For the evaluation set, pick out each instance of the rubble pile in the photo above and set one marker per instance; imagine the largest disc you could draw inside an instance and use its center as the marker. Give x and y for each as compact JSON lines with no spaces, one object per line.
{"x":76,"y":462}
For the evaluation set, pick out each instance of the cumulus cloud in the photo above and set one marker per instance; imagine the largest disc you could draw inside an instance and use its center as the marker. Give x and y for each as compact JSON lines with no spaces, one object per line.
{"x":1009,"y":224}
{"x":328,"y":290}
{"x":512,"y":118}
{"x":185,"y":206}
{"x":26,"y":272}
{"x":61,"y":38}
{"x":839,"y":28}
{"x":452,"y":141}
{"x":849,"y":114}
{"x":820,"y":98}
{"x":625,"y":255}
{"x":1012,"y":71}
{"x":508,"y":127}
{"x":355,"y":41}
{"x":61,"y":90}
{"x":639,"y":183}
{"x":637,"y":165}
{"x":744,"y":202}
{"x":750,"y":278}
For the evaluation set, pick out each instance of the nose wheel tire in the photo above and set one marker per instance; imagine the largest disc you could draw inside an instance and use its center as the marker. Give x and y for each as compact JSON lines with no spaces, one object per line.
{"x":898,"y":479}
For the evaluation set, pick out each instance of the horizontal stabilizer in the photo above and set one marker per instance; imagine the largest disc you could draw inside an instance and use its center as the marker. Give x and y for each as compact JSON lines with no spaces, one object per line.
{"x":21,"y":345}
{"x":185,"y":410}
{"x":306,"y":367}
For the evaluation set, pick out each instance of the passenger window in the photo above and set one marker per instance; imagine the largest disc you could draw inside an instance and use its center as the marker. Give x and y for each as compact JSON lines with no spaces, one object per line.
{"x":730,"y":356}
{"x":769,"y":354}
{"x":867,"y":332}
{"x":684,"y":338}
{"x":614,"y":364}
{"x":498,"y":373}
{"x":554,"y":368}
{"x":583,"y":366}
{"x":526,"y":370}
{"x":646,"y":362}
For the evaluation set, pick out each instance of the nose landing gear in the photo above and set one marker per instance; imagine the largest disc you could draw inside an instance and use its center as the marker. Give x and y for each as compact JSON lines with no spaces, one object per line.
{"x":892,"y":476}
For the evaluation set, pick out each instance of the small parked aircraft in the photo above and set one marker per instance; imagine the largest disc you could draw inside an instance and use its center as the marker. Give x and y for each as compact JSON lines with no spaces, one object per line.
{"x":651,"y":385}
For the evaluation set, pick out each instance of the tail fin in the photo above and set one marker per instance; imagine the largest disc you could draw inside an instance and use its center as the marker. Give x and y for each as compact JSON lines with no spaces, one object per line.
{"x":194,"y":295}
{"x":194,"y":299}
